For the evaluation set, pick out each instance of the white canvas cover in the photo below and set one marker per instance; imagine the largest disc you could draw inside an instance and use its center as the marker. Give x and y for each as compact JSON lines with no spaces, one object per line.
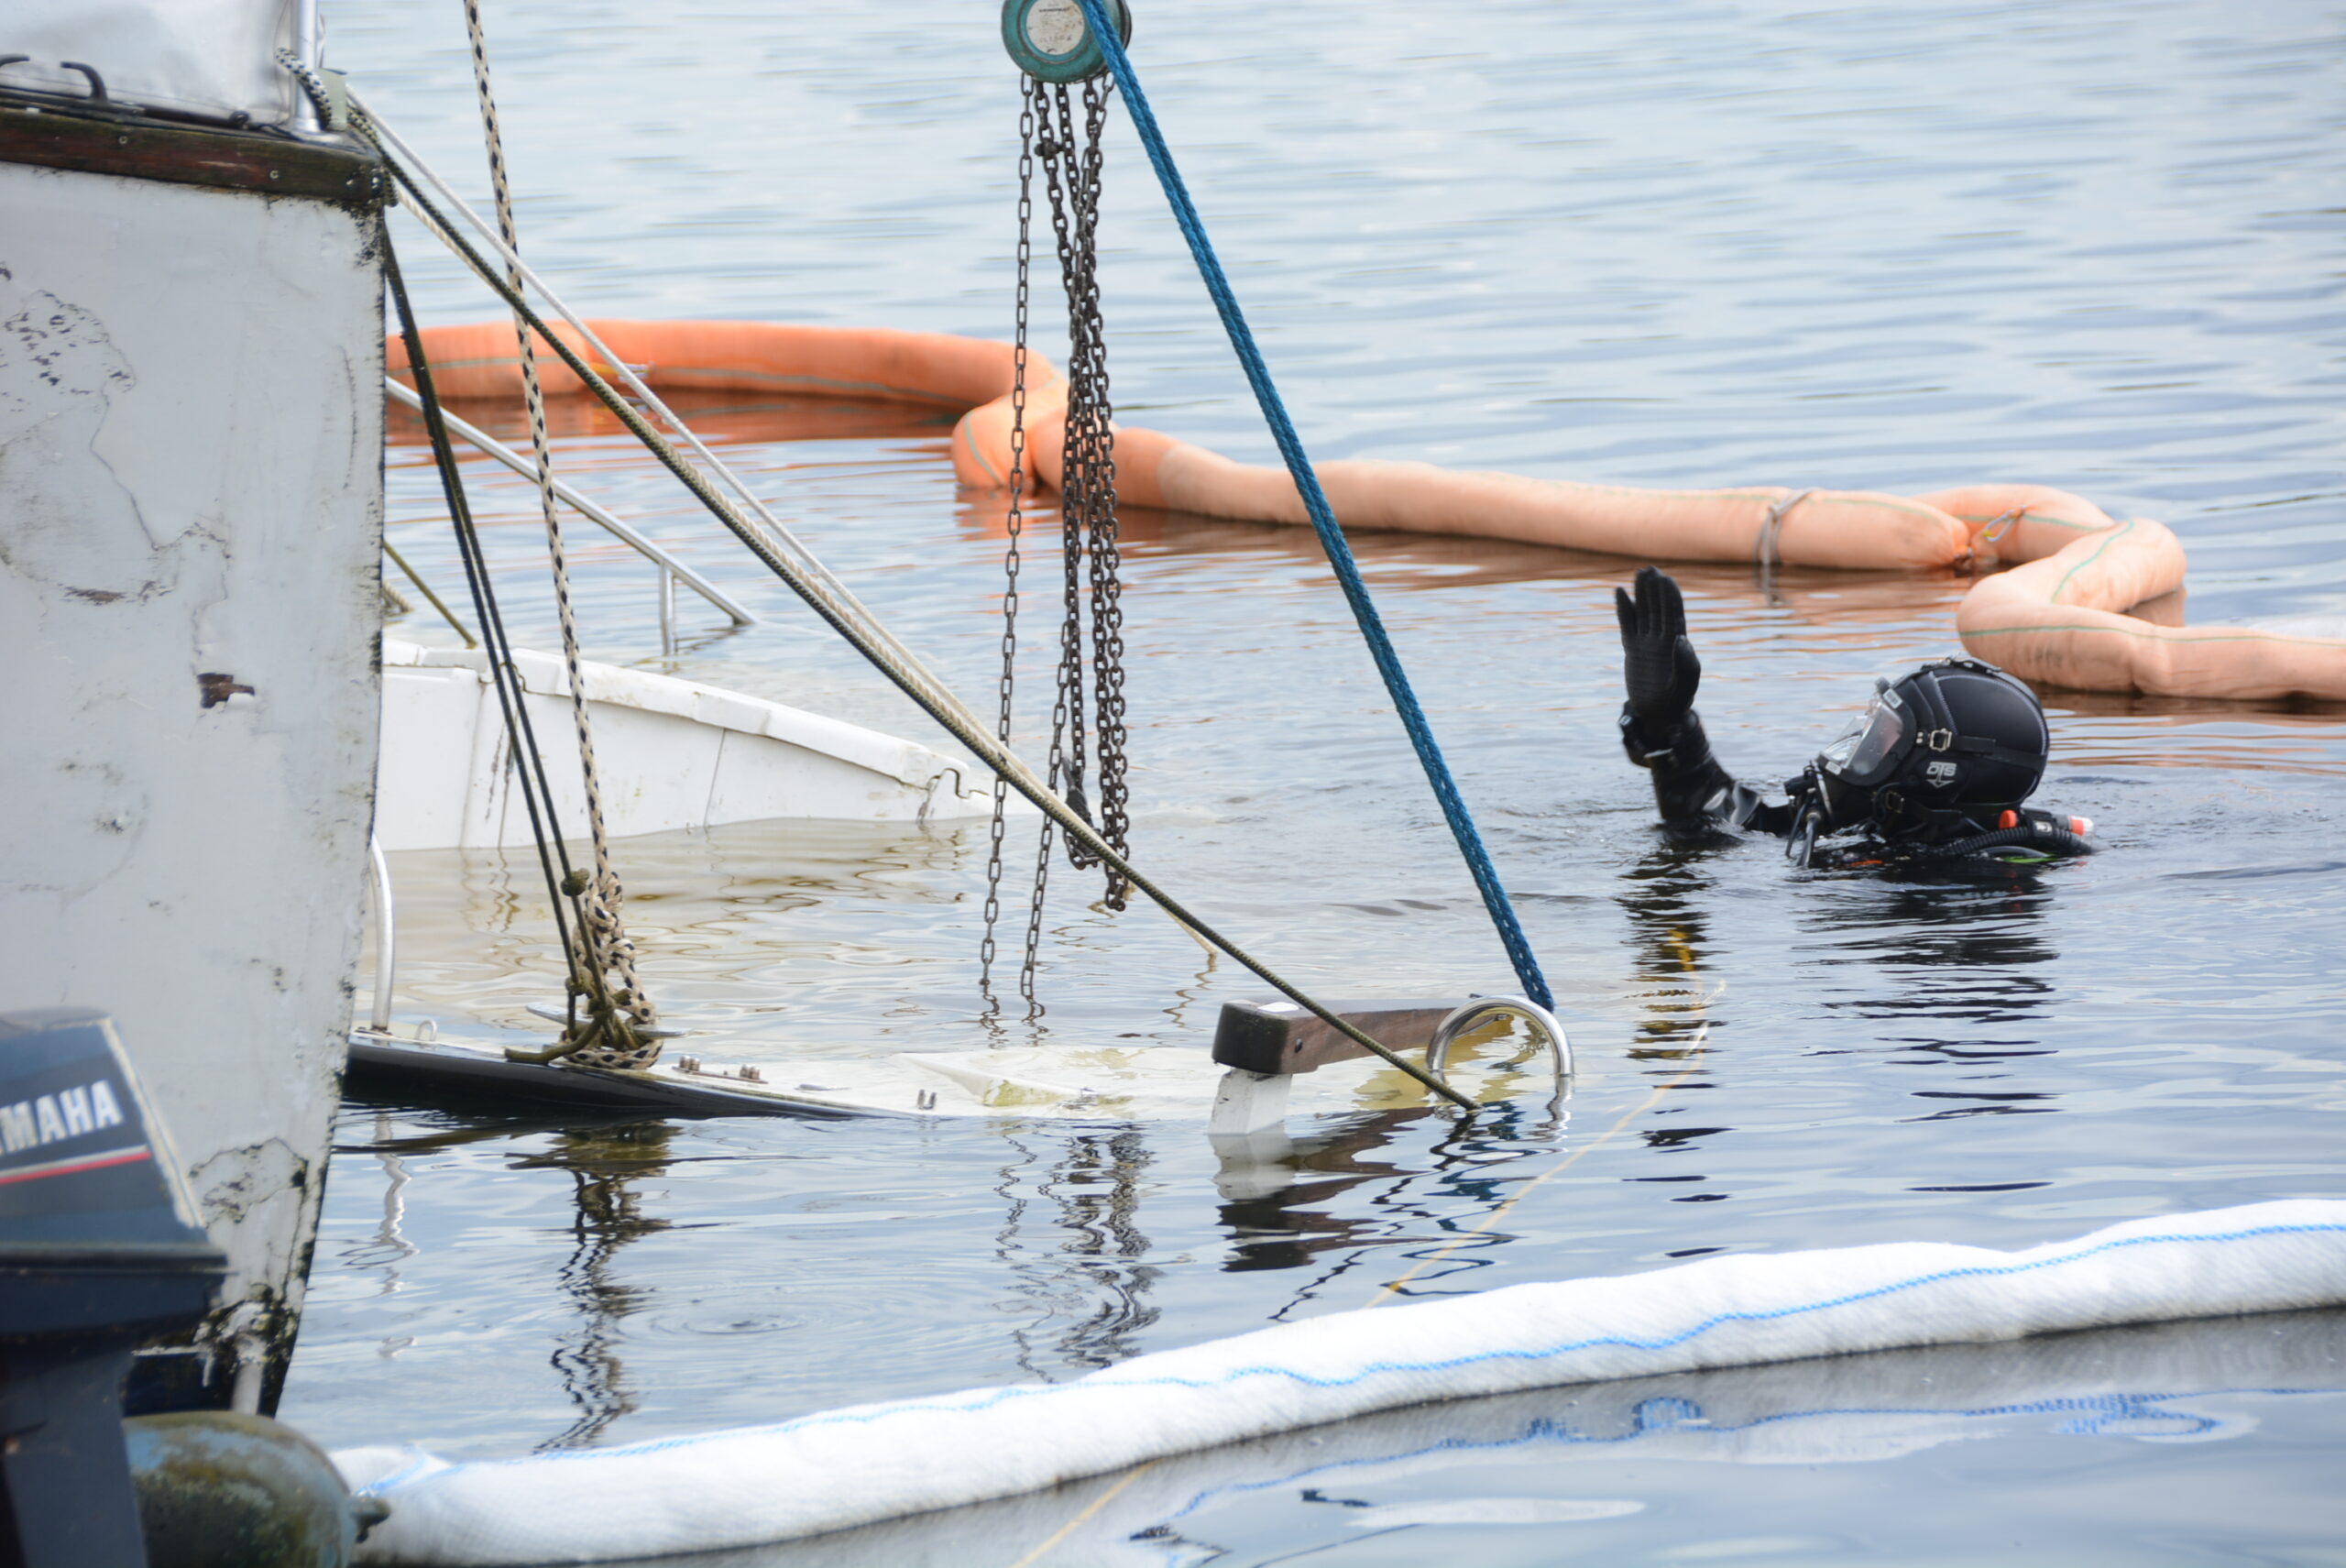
{"x":214,"y":58}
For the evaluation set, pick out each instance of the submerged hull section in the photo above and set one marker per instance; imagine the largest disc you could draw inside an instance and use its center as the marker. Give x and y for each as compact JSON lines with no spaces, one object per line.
{"x":191,"y":434}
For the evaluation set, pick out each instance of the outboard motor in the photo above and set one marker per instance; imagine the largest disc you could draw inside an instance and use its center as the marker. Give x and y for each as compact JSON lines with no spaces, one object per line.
{"x":100,"y":1250}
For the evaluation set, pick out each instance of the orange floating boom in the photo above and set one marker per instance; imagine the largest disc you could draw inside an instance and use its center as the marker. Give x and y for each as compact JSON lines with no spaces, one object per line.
{"x":2056,"y":617}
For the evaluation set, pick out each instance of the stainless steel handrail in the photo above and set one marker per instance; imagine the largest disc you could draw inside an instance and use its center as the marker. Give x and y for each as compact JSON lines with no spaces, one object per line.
{"x":1484,"y":1009}
{"x":489,"y":444}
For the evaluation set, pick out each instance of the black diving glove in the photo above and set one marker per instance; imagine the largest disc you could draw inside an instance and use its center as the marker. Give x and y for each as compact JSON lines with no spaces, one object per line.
{"x":1658,"y":662}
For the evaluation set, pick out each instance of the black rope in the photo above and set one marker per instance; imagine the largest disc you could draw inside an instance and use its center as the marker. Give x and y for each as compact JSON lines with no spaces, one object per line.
{"x":537,"y":792}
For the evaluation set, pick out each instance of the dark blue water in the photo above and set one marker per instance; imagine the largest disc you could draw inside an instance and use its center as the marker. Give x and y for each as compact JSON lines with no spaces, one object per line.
{"x":1882,"y":248}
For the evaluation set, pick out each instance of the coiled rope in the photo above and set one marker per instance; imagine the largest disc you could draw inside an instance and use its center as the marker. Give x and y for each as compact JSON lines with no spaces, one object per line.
{"x":1323,"y":517}
{"x":852,"y":622}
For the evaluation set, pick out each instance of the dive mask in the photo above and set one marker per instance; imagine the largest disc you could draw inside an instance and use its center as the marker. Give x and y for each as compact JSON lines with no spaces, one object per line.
{"x":1868,"y":754}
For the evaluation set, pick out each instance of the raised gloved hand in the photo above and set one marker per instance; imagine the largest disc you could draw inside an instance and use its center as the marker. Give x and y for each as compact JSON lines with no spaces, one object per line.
{"x":1657,"y":660}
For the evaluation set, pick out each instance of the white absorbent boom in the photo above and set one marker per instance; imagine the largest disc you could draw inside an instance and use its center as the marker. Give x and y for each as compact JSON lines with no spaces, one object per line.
{"x":843,"y":1468}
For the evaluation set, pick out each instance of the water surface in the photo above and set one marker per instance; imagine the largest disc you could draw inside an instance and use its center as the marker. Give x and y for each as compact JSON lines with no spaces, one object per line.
{"x":1872,"y":247}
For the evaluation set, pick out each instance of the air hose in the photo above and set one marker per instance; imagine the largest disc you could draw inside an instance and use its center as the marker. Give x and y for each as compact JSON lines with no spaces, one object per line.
{"x":2051,"y":840}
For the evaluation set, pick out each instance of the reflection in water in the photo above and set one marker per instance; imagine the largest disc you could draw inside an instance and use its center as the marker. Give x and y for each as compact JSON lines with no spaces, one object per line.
{"x":1092,"y":1281}
{"x":720,"y":418}
{"x":604,"y":1163}
{"x":1284,"y":1213}
{"x":1953,"y":950}
{"x":1970,"y":922}
{"x":1297,"y":1213}
{"x":1951,"y":945}
{"x":387,"y":1249}
{"x":1664,"y":896}
{"x":1284,"y":1222}
{"x":388,"y":1246}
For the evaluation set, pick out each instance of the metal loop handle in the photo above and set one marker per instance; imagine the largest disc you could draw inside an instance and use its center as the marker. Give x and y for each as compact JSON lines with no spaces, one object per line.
{"x":1483,"y":1010}
{"x":97,"y":83}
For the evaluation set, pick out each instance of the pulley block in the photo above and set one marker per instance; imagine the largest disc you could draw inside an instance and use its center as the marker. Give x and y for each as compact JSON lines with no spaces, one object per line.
{"x":1050,"y":41}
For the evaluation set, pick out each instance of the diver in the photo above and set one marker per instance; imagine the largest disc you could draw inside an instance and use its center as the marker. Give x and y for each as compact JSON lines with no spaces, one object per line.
{"x":1935,"y":771}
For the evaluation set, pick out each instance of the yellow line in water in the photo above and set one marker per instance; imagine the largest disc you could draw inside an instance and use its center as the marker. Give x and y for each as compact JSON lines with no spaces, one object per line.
{"x":1102,"y":1501}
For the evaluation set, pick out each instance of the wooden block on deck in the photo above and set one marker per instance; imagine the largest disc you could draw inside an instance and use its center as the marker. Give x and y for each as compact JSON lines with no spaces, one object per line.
{"x":1281,"y":1038}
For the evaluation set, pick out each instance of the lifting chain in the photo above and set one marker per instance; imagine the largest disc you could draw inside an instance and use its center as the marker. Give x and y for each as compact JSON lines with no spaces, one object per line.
{"x":1087,"y":722}
{"x":1014,"y":522}
{"x":1092,"y":561}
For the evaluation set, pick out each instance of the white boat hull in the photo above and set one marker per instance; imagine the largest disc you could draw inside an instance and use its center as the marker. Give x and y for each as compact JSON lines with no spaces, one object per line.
{"x":669,"y":754}
{"x":191,"y":499}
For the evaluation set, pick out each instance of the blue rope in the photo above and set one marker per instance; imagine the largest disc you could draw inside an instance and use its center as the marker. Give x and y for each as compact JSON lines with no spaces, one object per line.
{"x":1323,"y":518}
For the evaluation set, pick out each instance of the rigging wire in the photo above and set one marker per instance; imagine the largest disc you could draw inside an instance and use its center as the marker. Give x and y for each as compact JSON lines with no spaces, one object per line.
{"x":906,"y":673}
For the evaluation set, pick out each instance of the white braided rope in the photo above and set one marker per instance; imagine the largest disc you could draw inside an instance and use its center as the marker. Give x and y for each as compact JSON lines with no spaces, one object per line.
{"x":608,"y":951}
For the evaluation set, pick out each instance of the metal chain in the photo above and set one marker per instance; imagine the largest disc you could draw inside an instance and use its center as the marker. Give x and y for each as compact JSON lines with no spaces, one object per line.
{"x":1088,"y":728}
{"x":1067,"y":693}
{"x":604,"y":1038}
{"x":1014,"y":521}
{"x":1061,"y":171}
{"x":1106,"y":559}
{"x":1072,"y":162}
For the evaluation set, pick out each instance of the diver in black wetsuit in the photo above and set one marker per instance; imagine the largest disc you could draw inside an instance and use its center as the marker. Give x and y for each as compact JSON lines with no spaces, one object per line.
{"x":1935,"y":771}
